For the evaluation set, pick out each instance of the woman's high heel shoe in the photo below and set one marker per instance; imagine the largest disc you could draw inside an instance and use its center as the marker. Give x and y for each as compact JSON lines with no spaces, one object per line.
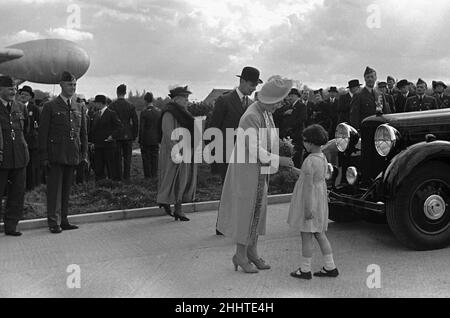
{"x":177,"y":214}
{"x":259,"y":263}
{"x":166,"y":209}
{"x":181,"y":218}
{"x":246,"y":267}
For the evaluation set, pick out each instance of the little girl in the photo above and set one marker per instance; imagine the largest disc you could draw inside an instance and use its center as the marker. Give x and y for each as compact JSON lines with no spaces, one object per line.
{"x":309,"y":206}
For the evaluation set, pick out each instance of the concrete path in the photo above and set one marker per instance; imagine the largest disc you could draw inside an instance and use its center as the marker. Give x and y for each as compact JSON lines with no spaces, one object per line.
{"x":157,"y":257}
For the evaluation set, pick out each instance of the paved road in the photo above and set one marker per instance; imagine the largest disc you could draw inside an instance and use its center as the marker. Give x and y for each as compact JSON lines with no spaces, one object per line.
{"x":157,"y":257}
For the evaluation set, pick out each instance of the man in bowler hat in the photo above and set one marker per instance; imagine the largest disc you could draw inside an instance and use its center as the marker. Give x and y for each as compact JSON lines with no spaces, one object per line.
{"x":333,"y":106}
{"x":106,"y":127}
{"x":421,"y":101}
{"x":402,"y":96}
{"x":345,"y":101}
{"x":14,"y":154}
{"x":62,"y":145}
{"x":128,"y":116}
{"x":365,"y":103}
{"x":26,"y":96}
{"x":229,"y":109}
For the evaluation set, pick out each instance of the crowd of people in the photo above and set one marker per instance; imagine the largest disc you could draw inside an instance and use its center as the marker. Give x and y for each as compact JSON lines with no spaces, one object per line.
{"x":59,"y":143}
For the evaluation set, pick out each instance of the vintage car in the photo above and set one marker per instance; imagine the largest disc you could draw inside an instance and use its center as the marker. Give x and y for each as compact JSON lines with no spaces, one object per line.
{"x":396,"y":169}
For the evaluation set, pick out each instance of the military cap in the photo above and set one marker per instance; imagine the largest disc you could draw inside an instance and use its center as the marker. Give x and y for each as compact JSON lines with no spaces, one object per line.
{"x":369,"y":71}
{"x":67,"y":77}
{"x":382,"y":85}
{"x":6,"y":81}
{"x":421,"y":81}
{"x":437,"y":83}
{"x":390,"y":78}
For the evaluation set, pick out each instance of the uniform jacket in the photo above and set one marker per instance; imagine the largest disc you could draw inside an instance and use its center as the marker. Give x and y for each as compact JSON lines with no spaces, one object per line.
{"x":104,"y":126}
{"x":442,"y":101}
{"x":400,"y":102}
{"x":148,"y":130}
{"x":62,"y":133}
{"x":13,"y":143}
{"x":32,"y":128}
{"x":128,"y":116}
{"x":414,"y":104}
{"x":363,"y":105}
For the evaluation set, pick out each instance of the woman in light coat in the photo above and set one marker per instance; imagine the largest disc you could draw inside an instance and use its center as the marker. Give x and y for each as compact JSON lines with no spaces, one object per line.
{"x":243,"y":205}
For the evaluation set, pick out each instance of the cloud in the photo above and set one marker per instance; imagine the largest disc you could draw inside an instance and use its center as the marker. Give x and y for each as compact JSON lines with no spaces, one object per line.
{"x":21,"y":36}
{"x":70,"y":34}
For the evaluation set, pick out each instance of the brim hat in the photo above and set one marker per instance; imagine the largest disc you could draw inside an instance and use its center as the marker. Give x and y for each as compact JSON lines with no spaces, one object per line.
{"x":333,"y":89}
{"x":27,"y":89}
{"x":250,"y":74}
{"x":6,"y":81}
{"x":295,"y":91}
{"x":275,"y":90}
{"x":100,"y":99}
{"x":382,"y":85}
{"x":402,"y":84}
{"x":354,"y":83}
{"x":179,"y":91}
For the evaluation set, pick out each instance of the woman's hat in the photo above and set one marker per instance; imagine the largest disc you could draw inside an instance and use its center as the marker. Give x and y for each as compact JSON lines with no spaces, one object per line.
{"x":179,"y":91}
{"x":250,"y":74}
{"x":27,"y":89}
{"x":354,"y":83}
{"x":275,"y":90}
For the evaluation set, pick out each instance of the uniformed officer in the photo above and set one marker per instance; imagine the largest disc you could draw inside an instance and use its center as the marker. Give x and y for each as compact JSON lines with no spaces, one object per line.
{"x":383,"y":88}
{"x":62,"y":144}
{"x":26,"y":95}
{"x":14,"y":154}
{"x":421,"y":101}
{"x":390,"y":90}
{"x":442,"y":99}
{"x":148,"y":137}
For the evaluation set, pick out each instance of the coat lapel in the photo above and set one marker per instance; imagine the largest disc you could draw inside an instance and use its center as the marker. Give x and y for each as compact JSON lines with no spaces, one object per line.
{"x":236,"y":102}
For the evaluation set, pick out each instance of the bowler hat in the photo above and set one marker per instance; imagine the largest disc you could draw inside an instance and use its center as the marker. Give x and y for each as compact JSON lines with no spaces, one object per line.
{"x":369,"y":70}
{"x":353,"y":83}
{"x":333,"y":89}
{"x":295,"y":91}
{"x":179,"y":91}
{"x":100,"y":99}
{"x":250,"y":74}
{"x":6,"y":81}
{"x":275,"y":90}
{"x":67,"y":77}
{"x":27,"y":89}
{"x":402,"y":83}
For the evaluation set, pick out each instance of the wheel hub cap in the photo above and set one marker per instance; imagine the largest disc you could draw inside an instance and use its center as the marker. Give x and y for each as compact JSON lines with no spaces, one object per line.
{"x":434,"y":207}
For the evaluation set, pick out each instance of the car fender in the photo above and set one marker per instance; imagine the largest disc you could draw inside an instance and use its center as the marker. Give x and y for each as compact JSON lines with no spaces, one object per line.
{"x":404,"y":163}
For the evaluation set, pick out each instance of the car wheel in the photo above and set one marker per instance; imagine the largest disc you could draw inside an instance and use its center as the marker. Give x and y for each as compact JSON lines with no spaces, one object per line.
{"x":342,"y":214}
{"x":419,"y":215}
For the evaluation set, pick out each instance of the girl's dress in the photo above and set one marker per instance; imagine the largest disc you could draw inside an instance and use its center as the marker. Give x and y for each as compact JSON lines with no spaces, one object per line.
{"x":311,"y":186}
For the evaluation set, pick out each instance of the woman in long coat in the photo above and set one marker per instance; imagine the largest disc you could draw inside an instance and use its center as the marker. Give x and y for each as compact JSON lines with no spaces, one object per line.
{"x":177,"y":179}
{"x":243,"y":205}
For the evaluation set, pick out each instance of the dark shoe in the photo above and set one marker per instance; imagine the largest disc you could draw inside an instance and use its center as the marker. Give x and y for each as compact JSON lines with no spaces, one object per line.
{"x":13,"y":233}
{"x":55,"y":229}
{"x":218,"y":233}
{"x":181,"y":218}
{"x":325,"y":273}
{"x":166,"y":209}
{"x":69,"y":227}
{"x":299,"y":274}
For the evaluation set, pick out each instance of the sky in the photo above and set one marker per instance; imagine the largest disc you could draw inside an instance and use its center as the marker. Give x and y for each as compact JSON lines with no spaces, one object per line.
{"x":153,"y":44}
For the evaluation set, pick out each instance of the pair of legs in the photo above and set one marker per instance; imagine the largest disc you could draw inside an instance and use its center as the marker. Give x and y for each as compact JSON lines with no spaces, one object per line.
{"x":125,"y":148}
{"x":307,"y":251}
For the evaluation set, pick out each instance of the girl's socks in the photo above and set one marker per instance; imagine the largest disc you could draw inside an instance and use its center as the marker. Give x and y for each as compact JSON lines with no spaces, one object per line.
{"x":306,"y":264}
{"x":329,"y":262}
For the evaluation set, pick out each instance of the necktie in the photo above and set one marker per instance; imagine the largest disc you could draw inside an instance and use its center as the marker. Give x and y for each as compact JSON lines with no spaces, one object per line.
{"x":68,"y":103}
{"x":8,"y":106}
{"x":245,"y":102}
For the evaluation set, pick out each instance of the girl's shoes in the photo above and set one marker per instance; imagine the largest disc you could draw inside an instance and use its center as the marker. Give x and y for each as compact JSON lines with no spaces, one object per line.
{"x":325,"y":273}
{"x":299,"y":274}
{"x":246,"y":267}
{"x":259,"y":263}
